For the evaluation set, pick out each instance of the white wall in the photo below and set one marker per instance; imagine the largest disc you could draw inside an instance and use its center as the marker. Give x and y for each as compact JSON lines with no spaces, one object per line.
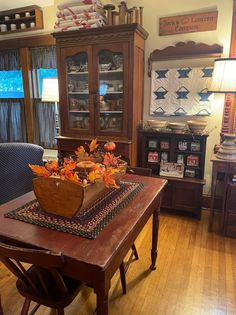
{"x":153,"y":10}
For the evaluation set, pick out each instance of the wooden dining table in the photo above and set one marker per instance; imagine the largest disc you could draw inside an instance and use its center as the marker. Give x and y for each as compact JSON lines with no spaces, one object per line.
{"x":93,"y":261}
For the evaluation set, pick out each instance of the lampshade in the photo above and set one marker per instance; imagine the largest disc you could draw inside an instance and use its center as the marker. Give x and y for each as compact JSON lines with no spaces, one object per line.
{"x":224,"y":76}
{"x":50,"y":90}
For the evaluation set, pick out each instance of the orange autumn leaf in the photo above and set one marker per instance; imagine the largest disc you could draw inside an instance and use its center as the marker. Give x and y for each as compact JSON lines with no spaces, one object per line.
{"x":110,"y":159}
{"x":40,"y":170}
{"x":69,"y":164}
{"x":69,"y":175}
{"x":52,"y":166}
{"x":80,"y":150}
{"x":98,"y":167}
{"x":94,"y":175}
{"x":108,"y":179}
{"x":93,"y":145}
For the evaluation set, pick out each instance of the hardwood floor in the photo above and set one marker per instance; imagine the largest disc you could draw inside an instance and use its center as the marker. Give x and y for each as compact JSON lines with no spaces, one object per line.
{"x":196,"y":275}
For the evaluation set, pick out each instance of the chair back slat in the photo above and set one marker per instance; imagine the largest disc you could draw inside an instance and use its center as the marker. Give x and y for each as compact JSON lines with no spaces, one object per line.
{"x":13,"y":268}
{"x":46,"y":274}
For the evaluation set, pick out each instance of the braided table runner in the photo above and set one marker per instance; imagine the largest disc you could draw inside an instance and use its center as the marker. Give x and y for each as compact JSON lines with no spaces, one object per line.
{"x":88,"y":223}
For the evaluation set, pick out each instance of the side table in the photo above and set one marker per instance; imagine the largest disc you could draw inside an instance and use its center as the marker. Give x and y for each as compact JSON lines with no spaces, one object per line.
{"x":222,"y":171}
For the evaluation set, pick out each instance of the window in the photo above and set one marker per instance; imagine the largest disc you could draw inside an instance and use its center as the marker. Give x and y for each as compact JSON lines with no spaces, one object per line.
{"x":11,"y":84}
{"x":38,"y":76}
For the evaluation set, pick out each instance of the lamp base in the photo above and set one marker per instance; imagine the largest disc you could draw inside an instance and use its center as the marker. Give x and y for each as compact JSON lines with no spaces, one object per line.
{"x":227,"y":150}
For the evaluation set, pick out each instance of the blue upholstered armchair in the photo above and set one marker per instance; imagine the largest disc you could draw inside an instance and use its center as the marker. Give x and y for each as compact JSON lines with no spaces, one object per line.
{"x":15,"y":174}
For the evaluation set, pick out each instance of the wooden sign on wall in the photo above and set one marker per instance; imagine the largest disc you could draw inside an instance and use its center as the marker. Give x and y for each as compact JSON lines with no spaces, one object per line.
{"x":188,"y":23}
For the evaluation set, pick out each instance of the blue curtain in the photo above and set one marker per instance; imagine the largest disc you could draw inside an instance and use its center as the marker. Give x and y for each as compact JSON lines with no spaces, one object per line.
{"x":43,"y":57}
{"x":44,"y":112}
{"x":12,"y":125}
{"x":44,"y":124}
{"x":10,"y":60}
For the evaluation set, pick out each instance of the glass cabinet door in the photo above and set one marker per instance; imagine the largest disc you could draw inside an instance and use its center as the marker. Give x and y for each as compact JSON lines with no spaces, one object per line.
{"x":111,"y":91}
{"x":78,"y":91}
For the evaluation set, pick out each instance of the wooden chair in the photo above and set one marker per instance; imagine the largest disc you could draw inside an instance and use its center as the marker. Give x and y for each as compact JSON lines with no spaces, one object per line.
{"x":42,"y":282}
{"x":143,"y":171}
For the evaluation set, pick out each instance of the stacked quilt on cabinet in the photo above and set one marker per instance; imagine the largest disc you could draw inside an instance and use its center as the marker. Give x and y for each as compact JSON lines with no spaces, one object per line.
{"x":73,"y":15}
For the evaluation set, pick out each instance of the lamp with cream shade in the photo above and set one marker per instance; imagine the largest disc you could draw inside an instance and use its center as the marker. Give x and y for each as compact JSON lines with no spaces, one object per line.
{"x":50,"y":93}
{"x":224,"y":76}
{"x":224,"y":81}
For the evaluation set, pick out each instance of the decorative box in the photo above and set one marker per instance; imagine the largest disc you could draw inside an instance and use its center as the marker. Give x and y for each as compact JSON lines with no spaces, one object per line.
{"x":164,"y":157}
{"x":152,"y":144}
{"x":195,"y":146}
{"x":192,"y":160}
{"x":190,"y":173}
{"x":153,"y":157}
{"x":180,"y":159}
{"x":164,"y":145}
{"x":172,"y":169}
{"x":183,"y":145}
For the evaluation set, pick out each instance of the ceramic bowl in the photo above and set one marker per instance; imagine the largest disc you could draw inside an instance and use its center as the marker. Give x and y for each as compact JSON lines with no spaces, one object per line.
{"x":196,"y":127}
{"x":157,"y":124}
{"x":177,"y":127}
{"x":105,"y":66}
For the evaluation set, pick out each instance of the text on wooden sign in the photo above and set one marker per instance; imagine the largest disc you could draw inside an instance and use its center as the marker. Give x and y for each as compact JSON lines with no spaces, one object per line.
{"x":188,"y":23}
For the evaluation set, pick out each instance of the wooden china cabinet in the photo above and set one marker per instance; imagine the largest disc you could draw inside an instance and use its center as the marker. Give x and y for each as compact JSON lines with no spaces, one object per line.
{"x":100,"y":74}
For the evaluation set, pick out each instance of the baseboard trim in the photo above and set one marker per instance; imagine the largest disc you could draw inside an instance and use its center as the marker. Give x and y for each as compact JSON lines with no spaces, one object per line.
{"x":206,"y":202}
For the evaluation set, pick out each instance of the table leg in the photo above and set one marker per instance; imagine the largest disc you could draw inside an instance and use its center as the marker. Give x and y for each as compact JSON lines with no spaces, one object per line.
{"x":102,"y":299}
{"x":155,"y":228}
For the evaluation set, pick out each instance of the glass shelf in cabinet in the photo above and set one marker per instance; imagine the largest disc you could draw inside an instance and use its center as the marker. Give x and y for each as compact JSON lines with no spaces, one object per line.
{"x":111,"y":71}
{"x":77,"y":92}
{"x":78,"y":111}
{"x":77,"y":73}
{"x":111,"y":111}
{"x":114,"y":92}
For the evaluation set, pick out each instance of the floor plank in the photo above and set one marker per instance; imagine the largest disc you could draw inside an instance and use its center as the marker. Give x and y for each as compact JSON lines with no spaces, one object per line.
{"x":196,"y":275}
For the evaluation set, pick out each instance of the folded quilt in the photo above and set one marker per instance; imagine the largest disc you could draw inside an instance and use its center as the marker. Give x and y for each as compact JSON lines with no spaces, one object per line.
{"x":84,"y":15}
{"x":80,"y":9}
{"x":93,"y":23}
{"x":68,"y":3}
{"x":80,"y":22}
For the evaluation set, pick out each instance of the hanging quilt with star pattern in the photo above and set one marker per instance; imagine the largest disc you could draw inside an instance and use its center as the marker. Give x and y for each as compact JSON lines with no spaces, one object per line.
{"x":181,"y":91}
